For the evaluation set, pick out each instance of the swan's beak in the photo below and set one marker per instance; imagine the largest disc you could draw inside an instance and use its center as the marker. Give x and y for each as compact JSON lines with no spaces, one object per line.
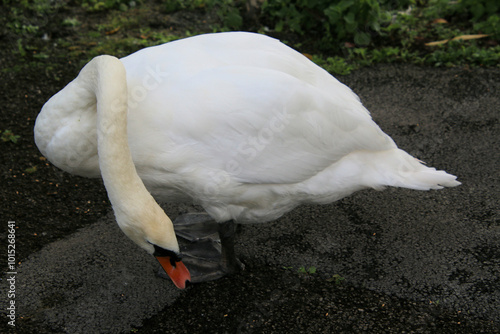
{"x":176,"y":270}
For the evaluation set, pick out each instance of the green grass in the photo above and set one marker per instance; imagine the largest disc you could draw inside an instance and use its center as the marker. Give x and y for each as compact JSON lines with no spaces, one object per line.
{"x":343,"y":35}
{"x":307,"y":271}
{"x":336,"y":279}
{"x":9,"y":136}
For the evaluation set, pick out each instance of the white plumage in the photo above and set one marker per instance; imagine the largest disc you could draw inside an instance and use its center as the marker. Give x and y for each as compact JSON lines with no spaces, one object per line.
{"x":238,"y":123}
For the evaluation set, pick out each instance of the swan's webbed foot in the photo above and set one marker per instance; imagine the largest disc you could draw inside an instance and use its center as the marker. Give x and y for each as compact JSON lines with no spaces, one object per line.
{"x":207,"y":247}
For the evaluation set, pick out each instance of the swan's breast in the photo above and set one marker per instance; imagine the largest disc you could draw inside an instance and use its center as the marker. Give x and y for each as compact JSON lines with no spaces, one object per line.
{"x":65,"y":131}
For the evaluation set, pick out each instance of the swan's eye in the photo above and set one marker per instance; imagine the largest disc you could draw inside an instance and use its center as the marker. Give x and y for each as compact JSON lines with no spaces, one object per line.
{"x":162,"y":252}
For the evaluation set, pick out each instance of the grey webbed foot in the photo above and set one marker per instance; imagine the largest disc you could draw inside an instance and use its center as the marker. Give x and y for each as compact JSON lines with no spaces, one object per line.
{"x":207,"y":247}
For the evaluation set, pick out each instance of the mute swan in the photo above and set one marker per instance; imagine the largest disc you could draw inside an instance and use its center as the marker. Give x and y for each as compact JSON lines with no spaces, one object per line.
{"x":236,"y":122}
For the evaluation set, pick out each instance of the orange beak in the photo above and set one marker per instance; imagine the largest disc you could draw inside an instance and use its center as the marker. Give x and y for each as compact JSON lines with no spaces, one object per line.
{"x":176,"y":270}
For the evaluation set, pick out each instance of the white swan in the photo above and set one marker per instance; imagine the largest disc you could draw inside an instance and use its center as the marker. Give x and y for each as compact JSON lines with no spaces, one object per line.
{"x":236,"y":122}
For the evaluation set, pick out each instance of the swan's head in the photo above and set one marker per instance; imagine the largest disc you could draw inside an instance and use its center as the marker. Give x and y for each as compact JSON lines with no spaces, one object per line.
{"x":99,"y":96}
{"x":153,"y":231}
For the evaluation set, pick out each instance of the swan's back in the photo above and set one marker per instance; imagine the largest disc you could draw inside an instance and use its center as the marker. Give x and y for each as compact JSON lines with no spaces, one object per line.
{"x":182,"y":59}
{"x":248,"y":128}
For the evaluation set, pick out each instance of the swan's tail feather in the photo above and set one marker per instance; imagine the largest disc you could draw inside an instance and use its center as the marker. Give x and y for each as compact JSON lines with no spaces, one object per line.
{"x":399,"y":169}
{"x":427,"y":179}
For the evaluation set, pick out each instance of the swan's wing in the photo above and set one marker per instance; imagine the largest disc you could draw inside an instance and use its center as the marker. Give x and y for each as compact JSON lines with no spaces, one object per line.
{"x":165,"y":66}
{"x":243,"y":105}
{"x":187,"y":57}
{"x":254,"y":125}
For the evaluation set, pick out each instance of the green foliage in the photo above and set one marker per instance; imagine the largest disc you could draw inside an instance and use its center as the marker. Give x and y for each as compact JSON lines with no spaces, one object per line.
{"x":337,"y":279}
{"x":337,"y":21}
{"x":176,"y":5}
{"x":483,"y":14}
{"x":354,"y":19}
{"x":20,"y":48}
{"x":8,"y":135}
{"x":478,"y":9}
{"x":229,"y":14}
{"x":228,"y":11}
{"x":17,"y":20}
{"x":71,"y":22}
{"x":38,"y":6}
{"x":458,"y":53}
{"x":335,"y":65}
{"x":101,"y":5}
{"x":309,"y":271}
{"x":388,"y":31}
{"x":491,"y":26}
{"x":31,"y":170}
{"x":441,"y":20}
{"x":350,"y":34}
{"x":303,"y":270}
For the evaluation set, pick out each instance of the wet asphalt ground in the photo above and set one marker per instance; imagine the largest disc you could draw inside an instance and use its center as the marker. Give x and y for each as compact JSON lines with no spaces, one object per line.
{"x":393,"y":261}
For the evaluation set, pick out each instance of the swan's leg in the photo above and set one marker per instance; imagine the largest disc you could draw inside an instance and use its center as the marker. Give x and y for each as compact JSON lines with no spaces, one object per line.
{"x":229,"y":261}
{"x":207,"y":247}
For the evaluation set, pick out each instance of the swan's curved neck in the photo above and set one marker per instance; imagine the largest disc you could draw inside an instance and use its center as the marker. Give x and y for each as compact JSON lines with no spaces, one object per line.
{"x":106,"y":76}
{"x":137,"y":213}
